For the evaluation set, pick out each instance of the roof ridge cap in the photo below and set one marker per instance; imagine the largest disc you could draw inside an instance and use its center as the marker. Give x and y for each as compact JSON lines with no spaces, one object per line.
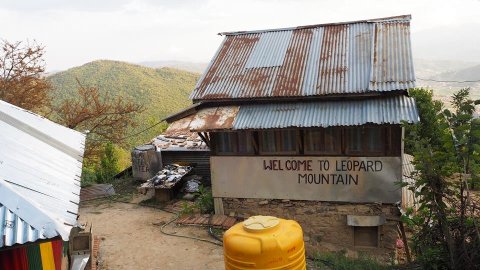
{"x":406,"y":17}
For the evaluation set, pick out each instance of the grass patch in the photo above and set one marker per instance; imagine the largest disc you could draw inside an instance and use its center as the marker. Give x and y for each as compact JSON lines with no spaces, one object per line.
{"x":339,"y":261}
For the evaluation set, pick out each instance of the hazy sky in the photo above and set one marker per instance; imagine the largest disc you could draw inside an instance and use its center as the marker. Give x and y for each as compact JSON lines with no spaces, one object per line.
{"x":78,"y":31}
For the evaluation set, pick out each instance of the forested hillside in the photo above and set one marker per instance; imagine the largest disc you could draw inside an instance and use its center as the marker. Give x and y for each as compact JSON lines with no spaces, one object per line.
{"x":162,"y":91}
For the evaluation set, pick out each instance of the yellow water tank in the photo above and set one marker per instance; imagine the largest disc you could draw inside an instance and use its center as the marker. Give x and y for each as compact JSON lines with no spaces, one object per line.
{"x":264,"y":242}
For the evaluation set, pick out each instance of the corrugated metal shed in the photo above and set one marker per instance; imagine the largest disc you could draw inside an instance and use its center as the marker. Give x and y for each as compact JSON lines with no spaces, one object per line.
{"x":383,"y":110}
{"x":40,"y":168}
{"x":344,"y":58}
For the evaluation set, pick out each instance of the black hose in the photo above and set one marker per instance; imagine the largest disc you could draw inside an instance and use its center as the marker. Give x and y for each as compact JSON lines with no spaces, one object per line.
{"x":185,"y":236}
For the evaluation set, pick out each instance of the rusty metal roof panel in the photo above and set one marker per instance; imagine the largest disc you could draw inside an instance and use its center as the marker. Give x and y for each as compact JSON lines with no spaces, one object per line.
{"x":212,"y":118}
{"x":357,"y":57}
{"x":385,"y":110}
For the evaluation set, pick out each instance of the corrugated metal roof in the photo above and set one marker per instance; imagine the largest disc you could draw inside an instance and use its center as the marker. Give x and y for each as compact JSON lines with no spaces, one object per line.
{"x":380,"y":110}
{"x":14,"y":230}
{"x":348,"y":58}
{"x":40,"y":168}
{"x":391,"y":110}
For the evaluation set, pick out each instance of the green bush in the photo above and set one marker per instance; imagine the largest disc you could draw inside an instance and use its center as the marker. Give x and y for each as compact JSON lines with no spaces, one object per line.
{"x":88,"y":176}
{"x":205,"y":200}
{"x":339,"y":261}
{"x":108,"y":166}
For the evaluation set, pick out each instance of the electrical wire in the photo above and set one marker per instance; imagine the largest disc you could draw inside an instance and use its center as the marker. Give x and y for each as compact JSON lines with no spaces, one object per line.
{"x":433,"y":80}
{"x":130,"y":135}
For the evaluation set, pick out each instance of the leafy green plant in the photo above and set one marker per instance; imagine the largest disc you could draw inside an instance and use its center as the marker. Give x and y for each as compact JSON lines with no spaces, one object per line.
{"x":88,"y":176}
{"x":204,"y":201}
{"x":108,"y":167}
{"x":444,"y":145}
{"x":187,"y":209}
{"x":339,"y":261}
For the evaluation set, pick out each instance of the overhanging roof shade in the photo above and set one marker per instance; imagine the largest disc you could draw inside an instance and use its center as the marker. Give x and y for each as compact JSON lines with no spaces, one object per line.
{"x":383,"y":110}
{"x":329,"y":59}
{"x":40,"y":168}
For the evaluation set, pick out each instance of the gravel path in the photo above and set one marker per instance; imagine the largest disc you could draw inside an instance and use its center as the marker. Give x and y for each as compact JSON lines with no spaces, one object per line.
{"x":131,"y":239}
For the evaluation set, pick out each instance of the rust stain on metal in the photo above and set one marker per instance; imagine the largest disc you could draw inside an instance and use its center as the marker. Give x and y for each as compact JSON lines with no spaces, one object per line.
{"x":230,"y":60}
{"x":290,"y":76}
{"x":375,"y":44}
{"x":333,"y":62}
{"x":342,"y":56}
{"x":214,"y":118}
{"x":213,"y":69}
{"x":258,"y":80}
{"x":181,"y":126}
{"x":229,"y":67}
{"x":216,"y":96}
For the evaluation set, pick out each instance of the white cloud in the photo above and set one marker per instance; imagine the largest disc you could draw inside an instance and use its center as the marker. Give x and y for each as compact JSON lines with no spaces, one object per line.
{"x":75,"y":32}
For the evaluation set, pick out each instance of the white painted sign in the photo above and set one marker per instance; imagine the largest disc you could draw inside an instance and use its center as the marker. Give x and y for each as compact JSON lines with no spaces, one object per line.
{"x":347,"y":179}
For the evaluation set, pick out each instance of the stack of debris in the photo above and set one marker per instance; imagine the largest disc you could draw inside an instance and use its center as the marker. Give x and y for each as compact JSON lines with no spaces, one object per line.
{"x":190,"y":141}
{"x":168,"y":177}
{"x":191,"y":187}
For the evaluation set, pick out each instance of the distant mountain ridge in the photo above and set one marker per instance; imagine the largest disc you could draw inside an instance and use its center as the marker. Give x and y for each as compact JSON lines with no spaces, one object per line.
{"x":447,"y":77}
{"x":183,"y":65}
{"x":162,"y":91}
{"x":466,"y":74}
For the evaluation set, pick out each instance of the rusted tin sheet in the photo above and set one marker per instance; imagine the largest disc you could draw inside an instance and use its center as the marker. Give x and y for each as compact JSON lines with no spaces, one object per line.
{"x":217,"y":118}
{"x":179,"y":127}
{"x":214,"y":118}
{"x":345,"y":58}
{"x":342,"y":179}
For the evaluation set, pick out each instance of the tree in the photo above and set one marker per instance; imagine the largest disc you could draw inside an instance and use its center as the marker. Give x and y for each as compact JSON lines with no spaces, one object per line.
{"x":108,"y":166}
{"x":106,"y":118}
{"x":430,"y":126}
{"x":22,"y":81}
{"x":445,"y":224}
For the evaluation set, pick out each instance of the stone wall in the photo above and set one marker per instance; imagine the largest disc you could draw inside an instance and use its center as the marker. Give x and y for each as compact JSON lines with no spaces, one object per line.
{"x":325,"y":223}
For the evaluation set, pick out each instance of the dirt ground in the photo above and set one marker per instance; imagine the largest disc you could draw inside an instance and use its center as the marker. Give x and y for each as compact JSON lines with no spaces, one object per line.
{"x":131,"y":239}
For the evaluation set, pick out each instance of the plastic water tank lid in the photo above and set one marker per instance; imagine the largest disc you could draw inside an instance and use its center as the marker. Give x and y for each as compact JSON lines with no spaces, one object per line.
{"x":260,"y":223}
